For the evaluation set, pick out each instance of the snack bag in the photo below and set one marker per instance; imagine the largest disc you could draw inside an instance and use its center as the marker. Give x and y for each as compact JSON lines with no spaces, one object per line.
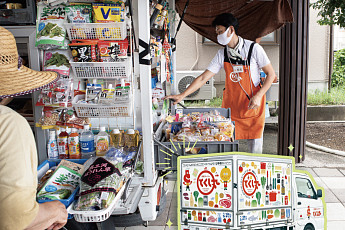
{"x":79,"y":13}
{"x":50,"y":30}
{"x":57,"y":61}
{"x":101,"y":181}
{"x":111,"y":51}
{"x":83,"y":52}
{"x":106,"y":12}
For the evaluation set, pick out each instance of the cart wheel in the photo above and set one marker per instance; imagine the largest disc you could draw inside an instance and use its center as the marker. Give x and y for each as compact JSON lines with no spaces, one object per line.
{"x":309,"y":227}
{"x":134,"y":219}
{"x":74,"y":225}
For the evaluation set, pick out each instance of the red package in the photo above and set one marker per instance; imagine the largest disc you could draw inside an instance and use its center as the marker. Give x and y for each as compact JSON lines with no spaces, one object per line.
{"x":110,"y":51}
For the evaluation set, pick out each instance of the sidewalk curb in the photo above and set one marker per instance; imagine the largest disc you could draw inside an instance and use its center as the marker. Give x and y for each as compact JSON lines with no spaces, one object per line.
{"x":325,"y":149}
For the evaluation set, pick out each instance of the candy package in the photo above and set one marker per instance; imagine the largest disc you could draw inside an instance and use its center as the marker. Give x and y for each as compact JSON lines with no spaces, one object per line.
{"x":49,"y":117}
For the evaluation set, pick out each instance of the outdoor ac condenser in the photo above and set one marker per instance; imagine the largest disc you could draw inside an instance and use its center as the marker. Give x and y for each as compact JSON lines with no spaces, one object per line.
{"x":185,"y":78}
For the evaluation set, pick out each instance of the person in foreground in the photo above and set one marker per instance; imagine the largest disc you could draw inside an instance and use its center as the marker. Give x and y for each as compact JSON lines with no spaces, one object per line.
{"x":18,"y":154}
{"x":243,"y":94}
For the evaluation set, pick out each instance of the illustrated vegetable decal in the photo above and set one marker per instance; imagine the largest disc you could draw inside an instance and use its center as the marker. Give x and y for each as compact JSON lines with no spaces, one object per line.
{"x":58,"y":60}
{"x":196,"y":194}
{"x":258,"y":197}
{"x":263,"y":181}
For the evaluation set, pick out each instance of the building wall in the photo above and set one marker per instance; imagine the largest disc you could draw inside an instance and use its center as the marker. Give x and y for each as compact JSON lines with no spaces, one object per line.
{"x":188,"y":42}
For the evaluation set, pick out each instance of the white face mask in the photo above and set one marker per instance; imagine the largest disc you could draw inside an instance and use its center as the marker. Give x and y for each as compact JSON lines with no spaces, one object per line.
{"x":223,"y":38}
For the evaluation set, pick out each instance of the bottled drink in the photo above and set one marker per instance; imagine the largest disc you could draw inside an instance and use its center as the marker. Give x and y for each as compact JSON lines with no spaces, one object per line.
{"x":87,"y":143}
{"x":73,"y":145}
{"x":63,"y":144}
{"x":102,"y":142}
{"x":52,"y":146}
{"x":116,"y":138}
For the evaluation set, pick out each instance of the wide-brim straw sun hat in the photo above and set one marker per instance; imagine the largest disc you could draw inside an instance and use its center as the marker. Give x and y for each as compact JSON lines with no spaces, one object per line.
{"x":16,"y":79}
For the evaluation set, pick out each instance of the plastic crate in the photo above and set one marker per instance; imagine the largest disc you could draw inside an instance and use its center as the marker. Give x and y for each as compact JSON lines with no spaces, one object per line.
{"x":96,"y":216}
{"x":104,"y":70}
{"x":46,"y":165}
{"x":165,"y":161}
{"x":222,"y":111}
{"x":103,"y":31}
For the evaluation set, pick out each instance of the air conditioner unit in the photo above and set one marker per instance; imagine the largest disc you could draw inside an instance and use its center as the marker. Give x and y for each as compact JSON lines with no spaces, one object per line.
{"x":185,"y":78}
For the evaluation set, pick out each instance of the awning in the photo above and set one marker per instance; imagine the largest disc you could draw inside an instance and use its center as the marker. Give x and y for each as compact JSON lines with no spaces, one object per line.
{"x":257,"y":18}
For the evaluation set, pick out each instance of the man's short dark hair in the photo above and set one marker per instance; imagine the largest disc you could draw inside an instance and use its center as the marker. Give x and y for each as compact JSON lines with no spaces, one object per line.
{"x":226,"y":20}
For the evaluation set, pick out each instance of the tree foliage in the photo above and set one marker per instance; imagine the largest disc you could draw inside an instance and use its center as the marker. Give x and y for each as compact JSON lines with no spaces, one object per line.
{"x":332,"y":12}
{"x":338,"y":75}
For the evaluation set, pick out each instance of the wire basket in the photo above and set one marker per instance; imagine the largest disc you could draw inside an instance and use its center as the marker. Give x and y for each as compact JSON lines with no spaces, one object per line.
{"x":110,"y":70}
{"x":103,"y":31}
{"x":97,"y":111}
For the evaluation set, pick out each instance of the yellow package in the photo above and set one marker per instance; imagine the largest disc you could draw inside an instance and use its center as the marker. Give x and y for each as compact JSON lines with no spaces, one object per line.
{"x":106,"y":12}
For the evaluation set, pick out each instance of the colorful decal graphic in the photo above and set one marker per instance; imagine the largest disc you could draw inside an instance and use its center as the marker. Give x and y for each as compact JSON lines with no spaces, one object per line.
{"x":250,"y":183}
{"x":255,"y":217}
{"x":207,"y":185}
{"x":214,"y":217}
{"x":186,"y":180}
{"x":225,"y":175}
{"x":264,"y":185}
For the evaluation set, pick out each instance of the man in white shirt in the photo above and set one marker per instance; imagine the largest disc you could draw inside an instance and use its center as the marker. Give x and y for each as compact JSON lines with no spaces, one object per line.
{"x":243,"y":94}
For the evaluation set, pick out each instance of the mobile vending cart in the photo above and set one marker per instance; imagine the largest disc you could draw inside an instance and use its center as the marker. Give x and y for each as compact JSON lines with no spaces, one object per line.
{"x":142,"y":195}
{"x":242,"y":191}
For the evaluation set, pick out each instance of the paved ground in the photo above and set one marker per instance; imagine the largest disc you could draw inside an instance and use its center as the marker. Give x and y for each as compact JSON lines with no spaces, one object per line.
{"x":328,"y":171}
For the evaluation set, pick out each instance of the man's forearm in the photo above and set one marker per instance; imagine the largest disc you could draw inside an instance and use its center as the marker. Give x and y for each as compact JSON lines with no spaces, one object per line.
{"x":267,"y":84}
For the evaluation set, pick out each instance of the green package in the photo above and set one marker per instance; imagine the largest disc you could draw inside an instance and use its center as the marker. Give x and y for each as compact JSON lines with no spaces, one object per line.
{"x":79,"y":13}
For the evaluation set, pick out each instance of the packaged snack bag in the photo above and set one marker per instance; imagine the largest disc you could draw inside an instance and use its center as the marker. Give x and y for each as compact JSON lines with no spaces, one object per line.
{"x":83,"y":52}
{"x":50,"y":30}
{"x":57,"y":61}
{"x":110,"y":51}
{"x":79,"y":13}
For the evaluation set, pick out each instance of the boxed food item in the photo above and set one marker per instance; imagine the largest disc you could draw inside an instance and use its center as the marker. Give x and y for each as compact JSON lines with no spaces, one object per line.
{"x":106,"y":12}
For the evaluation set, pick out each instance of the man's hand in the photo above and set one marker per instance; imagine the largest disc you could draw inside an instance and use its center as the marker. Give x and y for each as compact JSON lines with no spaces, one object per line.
{"x":255,"y":102}
{"x":176,"y":98}
{"x":51,"y":215}
{"x":61,"y":216}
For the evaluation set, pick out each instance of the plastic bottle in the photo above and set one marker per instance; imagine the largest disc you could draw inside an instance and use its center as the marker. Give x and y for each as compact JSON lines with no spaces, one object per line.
{"x":73,"y":145}
{"x":87,"y":143}
{"x":63,"y":144}
{"x":131,"y":138}
{"x":52,"y":148}
{"x":116,"y":138}
{"x":102,"y":142}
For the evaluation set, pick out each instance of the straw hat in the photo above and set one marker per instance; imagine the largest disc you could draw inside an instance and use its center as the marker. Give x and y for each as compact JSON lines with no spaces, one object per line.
{"x":16,"y":79}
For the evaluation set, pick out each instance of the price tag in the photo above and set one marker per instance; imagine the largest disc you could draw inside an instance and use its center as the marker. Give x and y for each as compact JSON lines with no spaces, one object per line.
{"x":237,"y":69}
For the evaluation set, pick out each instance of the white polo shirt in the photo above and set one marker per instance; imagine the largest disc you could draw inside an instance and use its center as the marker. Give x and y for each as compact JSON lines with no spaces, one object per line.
{"x":258,"y":60}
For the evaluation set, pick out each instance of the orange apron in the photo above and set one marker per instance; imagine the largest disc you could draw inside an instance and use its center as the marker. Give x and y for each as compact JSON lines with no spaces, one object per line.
{"x":249,"y":124}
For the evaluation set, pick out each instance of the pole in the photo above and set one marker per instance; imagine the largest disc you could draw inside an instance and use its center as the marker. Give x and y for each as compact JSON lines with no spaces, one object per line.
{"x":293,"y":82}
